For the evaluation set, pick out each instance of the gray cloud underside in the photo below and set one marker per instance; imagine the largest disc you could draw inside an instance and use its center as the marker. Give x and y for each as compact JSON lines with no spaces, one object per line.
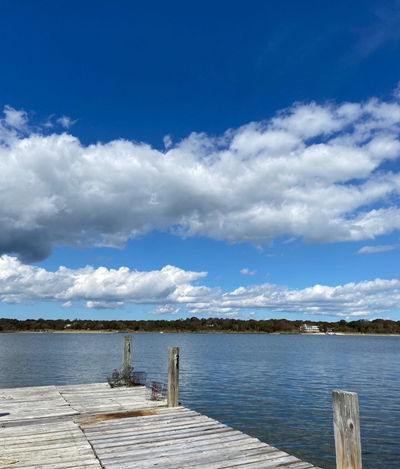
{"x":171,"y":289}
{"x":313,"y":171}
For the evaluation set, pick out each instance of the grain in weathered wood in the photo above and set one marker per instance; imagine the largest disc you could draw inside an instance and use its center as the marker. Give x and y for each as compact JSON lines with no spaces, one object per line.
{"x":302,"y":465}
{"x":80,"y":464}
{"x":346,"y":422}
{"x":35,"y":416}
{"x":177,"y":431}
{"x":135,"y":442}
{"x":12,"y":439}
{"x":188,"y":459}
{"x":60,"y":445}
{"x":39,"y":440}
{"x":188,"y":437}
{"x":74,"y":447}
{"x":122,"y":432}
{"x":73,"y":453}
{"x":283,"y":463}
{"x":26,"y":391}
{"x":113,"y":446}
{"x":160,"y":415}
{"x":173,"y":377}
{"x":150,"y":421}
{"x":226,"y":459}
{"x":193,"y":448}
{"x":32,"y":428}
{"x":181,"y":450}
{"x":191,"y":425}
{"x":72,"y":461}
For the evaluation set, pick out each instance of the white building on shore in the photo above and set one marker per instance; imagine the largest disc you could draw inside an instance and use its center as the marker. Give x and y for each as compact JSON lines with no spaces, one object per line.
{"x":309,"y":328}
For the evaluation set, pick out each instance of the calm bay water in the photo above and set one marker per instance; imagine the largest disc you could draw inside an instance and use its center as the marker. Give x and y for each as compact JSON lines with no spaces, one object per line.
{"x":273,"y":387}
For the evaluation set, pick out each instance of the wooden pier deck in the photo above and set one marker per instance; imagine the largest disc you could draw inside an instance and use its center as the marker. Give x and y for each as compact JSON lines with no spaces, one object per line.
{"x":95,"y":426}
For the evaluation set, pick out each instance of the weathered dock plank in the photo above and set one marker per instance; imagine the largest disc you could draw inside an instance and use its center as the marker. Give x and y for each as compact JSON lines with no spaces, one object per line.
{"x":95,"y":426}
{"x":53,"y":446}
{"x":30,"y":404}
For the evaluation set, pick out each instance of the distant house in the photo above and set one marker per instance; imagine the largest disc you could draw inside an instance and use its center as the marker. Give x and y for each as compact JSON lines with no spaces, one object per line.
{"x":67,"y":326}
{"x":309,"y":328}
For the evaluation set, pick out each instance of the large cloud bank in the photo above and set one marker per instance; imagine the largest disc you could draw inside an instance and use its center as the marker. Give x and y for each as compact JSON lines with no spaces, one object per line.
{"x":171,"y":288}
{"x":319,"y":172}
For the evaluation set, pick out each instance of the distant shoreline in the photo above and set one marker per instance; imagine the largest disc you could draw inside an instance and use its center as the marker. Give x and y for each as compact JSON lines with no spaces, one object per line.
{"x":304,"y":334}
{"x":196,"y":325}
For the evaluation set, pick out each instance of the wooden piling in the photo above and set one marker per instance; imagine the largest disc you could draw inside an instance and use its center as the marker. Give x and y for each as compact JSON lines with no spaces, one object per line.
{"x":127,"y":356}
{"x":173,"y":377}
{"x":346,"y":423}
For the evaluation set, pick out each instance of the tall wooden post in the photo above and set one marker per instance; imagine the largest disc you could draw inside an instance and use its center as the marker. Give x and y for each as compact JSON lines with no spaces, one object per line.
{"x":127,"y":356}
{"x":173,"y":377}
{"x":346,"y":423}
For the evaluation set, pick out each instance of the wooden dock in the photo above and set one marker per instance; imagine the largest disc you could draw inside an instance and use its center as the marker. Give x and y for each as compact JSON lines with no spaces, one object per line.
{"x":96,"y":426}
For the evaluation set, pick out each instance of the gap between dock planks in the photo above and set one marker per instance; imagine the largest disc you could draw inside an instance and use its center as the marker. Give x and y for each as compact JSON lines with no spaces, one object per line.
{"x":94,"y":426}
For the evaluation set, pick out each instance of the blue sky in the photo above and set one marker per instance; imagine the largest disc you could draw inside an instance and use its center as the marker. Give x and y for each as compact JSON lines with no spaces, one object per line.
{"x":232,"y":159}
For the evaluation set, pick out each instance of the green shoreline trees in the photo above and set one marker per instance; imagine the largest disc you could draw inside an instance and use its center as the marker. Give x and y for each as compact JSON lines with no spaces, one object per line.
{"x":200,"y":325}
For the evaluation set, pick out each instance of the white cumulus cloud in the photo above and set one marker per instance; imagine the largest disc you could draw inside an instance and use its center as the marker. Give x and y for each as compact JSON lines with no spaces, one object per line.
{"x":314,"y":171}
{"x":15,"y":119}
{"x":98,"y":287}
{"x":171,"y":289}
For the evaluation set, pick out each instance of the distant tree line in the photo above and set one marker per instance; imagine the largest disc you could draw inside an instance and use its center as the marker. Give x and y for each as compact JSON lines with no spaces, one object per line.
{"x":202,"y":325}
